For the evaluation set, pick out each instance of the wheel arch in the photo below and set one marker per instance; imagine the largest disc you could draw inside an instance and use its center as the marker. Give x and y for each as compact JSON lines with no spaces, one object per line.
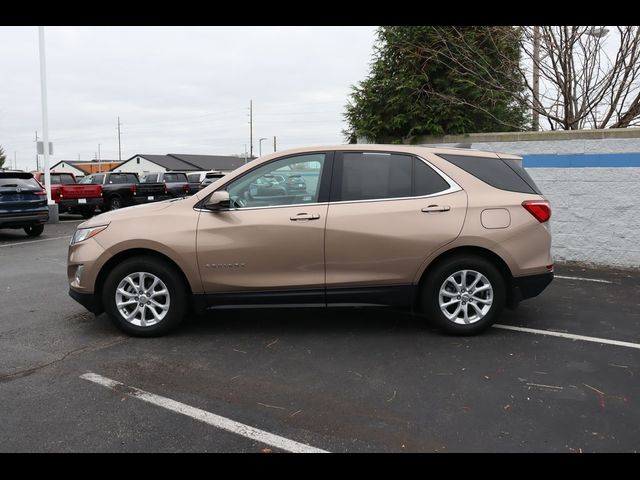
{"x":482,"y":252}
{"x":131,"y":253}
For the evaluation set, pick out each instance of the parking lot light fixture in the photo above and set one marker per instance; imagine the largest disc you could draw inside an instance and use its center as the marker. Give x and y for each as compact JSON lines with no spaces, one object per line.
{"x":260,"y":145}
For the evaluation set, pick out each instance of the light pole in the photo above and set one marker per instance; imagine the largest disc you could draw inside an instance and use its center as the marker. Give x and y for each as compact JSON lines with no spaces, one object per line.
{"x":45,"y":119}
{"x":260,"y":145}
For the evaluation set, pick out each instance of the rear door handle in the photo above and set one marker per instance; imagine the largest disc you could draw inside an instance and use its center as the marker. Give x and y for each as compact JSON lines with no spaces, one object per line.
{"x":304,"y":216}
{"x":437,"y":208}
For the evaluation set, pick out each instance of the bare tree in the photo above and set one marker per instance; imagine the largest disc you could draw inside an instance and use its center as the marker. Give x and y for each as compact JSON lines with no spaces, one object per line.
{"x":582,"y":86}
{"x":582,"y":83}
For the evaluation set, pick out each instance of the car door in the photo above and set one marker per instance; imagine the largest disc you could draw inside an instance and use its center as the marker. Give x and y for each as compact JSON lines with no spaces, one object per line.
{"x":387,"y":213}
{"x":269,"y":240}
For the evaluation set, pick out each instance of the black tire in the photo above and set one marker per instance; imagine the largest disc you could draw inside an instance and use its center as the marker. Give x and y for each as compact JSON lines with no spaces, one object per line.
{"x":34,"y":230}
{"x":178,"y":294}
{"x":436,"y":277}
{"x":87,"y":212}
{"x":115,"y":203}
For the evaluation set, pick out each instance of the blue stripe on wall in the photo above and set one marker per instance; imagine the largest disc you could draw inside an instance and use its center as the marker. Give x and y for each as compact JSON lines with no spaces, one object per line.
{"x":582,"y":160}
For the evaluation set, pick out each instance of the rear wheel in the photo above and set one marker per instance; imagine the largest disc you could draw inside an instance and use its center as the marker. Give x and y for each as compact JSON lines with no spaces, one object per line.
{"x":145,"y":297}
{"x":115,"y":203}
{"x":87,"y":212}
{"x":34,"y":230}
{"x":464,"y":295}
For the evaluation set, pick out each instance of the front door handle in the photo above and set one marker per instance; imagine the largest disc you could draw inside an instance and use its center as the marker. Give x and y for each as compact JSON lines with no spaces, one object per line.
{"x":304,"y":216}
{"x":436,"y":208}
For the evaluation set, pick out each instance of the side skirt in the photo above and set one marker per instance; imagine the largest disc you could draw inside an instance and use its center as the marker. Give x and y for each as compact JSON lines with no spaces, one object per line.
{"x":397,"y":296}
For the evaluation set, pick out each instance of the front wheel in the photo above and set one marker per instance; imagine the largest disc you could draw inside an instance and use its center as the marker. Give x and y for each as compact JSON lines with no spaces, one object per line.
{"x":34,"y":230}
{"x":464,"y":295}
{"x":145,"y":297}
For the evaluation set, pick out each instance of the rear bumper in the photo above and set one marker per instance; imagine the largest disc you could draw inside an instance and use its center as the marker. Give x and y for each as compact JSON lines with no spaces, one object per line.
{"x":87,"y":300}
{"x":73,"y":205}
{"x":23,"y":219}
{"x":140,"y":199}
{"x":530,"y":286}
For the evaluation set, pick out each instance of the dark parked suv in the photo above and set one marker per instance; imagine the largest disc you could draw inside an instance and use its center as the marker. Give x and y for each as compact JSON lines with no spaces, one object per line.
{"x":176,"y":183}
{"x":23,"y":202}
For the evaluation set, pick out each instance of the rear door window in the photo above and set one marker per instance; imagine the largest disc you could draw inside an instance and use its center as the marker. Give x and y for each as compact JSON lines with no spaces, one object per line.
{"x":367,"y":176}
{"x":379,"y":176}
{"x":426,"y":181}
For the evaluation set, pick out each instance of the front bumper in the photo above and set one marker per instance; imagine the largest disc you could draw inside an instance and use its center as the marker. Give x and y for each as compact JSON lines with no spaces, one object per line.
{"x":87,"y":300}
{"x":530,"y":286}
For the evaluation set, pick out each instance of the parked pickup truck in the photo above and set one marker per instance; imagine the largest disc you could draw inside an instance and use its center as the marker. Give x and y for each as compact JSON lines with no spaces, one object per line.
{"x":176,"y":182}
{"x":70,"y":196}
{"x":124,"y":189}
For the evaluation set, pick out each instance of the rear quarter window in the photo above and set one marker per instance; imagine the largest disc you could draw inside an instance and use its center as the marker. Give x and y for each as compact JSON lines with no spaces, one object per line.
{"x":503,"y":174}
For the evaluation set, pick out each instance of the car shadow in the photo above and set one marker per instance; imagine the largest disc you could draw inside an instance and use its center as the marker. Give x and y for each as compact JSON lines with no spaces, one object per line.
{"x":300,"y":320}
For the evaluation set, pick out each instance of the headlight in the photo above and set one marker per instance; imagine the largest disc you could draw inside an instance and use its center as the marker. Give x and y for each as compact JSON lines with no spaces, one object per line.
{"x":83,"y":234}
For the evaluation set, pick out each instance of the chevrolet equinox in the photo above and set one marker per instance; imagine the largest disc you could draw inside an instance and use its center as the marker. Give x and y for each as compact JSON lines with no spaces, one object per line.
{"x":451,"y":234}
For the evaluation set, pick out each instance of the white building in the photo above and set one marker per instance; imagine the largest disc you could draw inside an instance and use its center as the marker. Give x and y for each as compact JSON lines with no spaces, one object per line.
{"x":145,"y":163}
{"x":67,"y":167}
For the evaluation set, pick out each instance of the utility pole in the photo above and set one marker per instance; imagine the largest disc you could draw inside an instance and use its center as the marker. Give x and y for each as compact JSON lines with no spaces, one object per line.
{"x":53,"y":209}
{"x":274,"y":143}
{"x":119,"y":149}
{"x":251,"y":129}
{"x":535,"y":117}
{"x":245,"y":153}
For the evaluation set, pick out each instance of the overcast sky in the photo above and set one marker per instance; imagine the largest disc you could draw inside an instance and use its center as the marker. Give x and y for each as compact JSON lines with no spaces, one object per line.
{"x":177,"y":89}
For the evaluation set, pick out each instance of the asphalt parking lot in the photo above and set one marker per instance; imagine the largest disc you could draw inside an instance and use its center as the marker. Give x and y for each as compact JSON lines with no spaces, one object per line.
{"x":560,"y":374}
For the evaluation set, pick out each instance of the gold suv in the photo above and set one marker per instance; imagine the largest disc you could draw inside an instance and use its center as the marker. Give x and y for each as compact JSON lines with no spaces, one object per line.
{"x":451,"y":234}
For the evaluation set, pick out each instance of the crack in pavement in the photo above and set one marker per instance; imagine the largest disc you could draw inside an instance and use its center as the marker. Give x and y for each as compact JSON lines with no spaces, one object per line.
{"x":28,"y":371}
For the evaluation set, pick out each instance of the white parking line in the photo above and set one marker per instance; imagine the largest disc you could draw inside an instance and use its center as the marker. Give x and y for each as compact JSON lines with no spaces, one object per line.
{"x":204,"y":416}
{"x":570,"y":336}
{"x":583,"y":279}
{"x":33,"y":241}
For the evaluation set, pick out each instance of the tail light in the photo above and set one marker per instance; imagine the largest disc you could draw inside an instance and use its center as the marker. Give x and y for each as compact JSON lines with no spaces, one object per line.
{"x":165,"y":188}
{"x":41,"y":192}
{"x":185,"y":188}
{"x":133,"y":189}
{"x":540,"y":209}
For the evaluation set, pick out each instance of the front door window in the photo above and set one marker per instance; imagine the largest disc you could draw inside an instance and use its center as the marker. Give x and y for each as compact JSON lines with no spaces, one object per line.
{"x":289,"y":181}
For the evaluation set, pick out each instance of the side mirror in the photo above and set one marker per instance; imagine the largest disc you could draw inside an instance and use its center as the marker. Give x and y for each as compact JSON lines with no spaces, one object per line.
{"x":218,"y":201}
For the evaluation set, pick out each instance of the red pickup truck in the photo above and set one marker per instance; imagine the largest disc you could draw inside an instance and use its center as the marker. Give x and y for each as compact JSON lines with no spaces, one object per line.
{"x":70,"y":196}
